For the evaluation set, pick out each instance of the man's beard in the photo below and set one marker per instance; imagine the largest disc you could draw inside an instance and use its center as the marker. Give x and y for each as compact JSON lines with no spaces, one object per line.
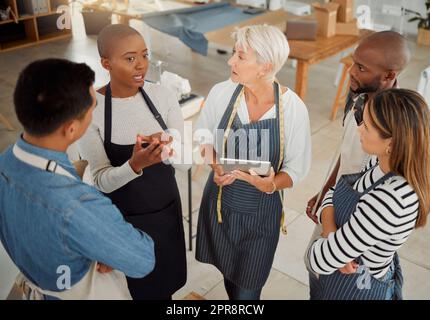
{"x":366,"y":89}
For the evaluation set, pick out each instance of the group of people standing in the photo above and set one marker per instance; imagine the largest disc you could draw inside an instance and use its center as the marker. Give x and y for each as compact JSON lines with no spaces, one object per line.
{"x":131,"y":221}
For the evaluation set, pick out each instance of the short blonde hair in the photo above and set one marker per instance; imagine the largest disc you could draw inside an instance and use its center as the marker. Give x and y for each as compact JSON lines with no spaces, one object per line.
{"x":269,"y":44}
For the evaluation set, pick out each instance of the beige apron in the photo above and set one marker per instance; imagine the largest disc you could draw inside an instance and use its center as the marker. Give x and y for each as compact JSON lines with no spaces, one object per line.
{"x":94,"y":285}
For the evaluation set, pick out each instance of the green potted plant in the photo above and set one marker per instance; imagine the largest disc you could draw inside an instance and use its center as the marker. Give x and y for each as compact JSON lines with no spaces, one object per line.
{"x":423,"y":36}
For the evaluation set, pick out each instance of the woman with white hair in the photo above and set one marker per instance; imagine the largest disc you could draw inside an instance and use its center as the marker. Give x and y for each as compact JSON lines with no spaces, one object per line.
{"x":240,"y":213}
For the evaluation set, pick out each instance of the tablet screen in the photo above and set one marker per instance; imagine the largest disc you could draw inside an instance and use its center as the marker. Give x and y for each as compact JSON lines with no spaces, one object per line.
{"x":262,"y":168}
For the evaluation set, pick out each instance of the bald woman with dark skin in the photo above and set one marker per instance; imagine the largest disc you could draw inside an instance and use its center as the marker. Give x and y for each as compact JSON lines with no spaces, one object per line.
{"x":131,"y":111}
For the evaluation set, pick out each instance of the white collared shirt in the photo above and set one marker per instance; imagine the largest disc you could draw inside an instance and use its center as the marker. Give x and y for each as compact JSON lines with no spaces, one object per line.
{"x":297,"y":154}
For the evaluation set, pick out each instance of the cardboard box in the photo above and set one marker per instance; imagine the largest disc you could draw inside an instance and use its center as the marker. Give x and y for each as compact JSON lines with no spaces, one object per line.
{"x":326,"y":16}
{"x":95,"y":21}
{"x":347,"y":28}
{"x":301,"y":30}
{"x":423,"y":37}
{"x":345,"y":13}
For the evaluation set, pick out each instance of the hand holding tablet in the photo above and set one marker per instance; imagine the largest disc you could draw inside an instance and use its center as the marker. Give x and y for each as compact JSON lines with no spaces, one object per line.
{"x":261,"y":168}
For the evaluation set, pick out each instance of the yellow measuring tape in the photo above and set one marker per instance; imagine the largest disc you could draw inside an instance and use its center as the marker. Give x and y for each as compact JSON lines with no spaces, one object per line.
{"x":281,"y":155}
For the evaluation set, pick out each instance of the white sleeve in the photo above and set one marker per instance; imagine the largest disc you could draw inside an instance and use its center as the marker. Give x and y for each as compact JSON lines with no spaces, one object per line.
{"x":213,"y":109}
{"x":206,"y":122}
{"x":175,"y":125}
{"x":107,"y":178}
{"x":297,"y":156}
{"x":327,"y":202}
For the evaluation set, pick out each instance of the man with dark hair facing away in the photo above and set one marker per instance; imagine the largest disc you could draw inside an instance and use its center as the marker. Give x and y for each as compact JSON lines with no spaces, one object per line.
{"x":66,"y":238}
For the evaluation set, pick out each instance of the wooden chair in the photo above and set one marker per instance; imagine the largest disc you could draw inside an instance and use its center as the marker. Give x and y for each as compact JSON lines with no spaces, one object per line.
{"x":344,"y":79}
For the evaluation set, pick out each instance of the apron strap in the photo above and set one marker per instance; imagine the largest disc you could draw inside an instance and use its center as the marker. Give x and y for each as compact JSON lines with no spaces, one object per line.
{"x":40,"y":162}
{"x":108,"y":112}
{"x":379,"y":181}
{"x":153,"y":110}
{"x":223,"y":124}
{"x":280,"y":122}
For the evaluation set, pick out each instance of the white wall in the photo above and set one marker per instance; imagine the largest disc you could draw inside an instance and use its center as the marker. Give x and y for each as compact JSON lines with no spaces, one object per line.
{"x":376,"y":7}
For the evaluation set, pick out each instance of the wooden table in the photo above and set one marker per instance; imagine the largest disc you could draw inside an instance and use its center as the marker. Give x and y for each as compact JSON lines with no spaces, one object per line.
{"x":305,"y":52}
{"x":311,"y":52}
{"x":222,"y":37}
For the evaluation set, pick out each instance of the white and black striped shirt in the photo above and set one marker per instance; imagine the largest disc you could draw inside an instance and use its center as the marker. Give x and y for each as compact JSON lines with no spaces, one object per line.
{"x":383,"y":220}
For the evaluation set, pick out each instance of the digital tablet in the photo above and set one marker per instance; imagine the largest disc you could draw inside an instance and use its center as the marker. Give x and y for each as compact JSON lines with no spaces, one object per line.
{"x":262,"y":168}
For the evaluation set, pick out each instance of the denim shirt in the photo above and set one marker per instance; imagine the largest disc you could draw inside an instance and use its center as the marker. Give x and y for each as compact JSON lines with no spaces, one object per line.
{"x":49,"y":222}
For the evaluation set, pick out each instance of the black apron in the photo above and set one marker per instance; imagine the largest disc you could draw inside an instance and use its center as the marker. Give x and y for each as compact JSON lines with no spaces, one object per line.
{"x":152,"y":204}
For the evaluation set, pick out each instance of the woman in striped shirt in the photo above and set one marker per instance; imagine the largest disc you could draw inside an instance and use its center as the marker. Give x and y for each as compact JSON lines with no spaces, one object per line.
{"x":368,"y":216}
